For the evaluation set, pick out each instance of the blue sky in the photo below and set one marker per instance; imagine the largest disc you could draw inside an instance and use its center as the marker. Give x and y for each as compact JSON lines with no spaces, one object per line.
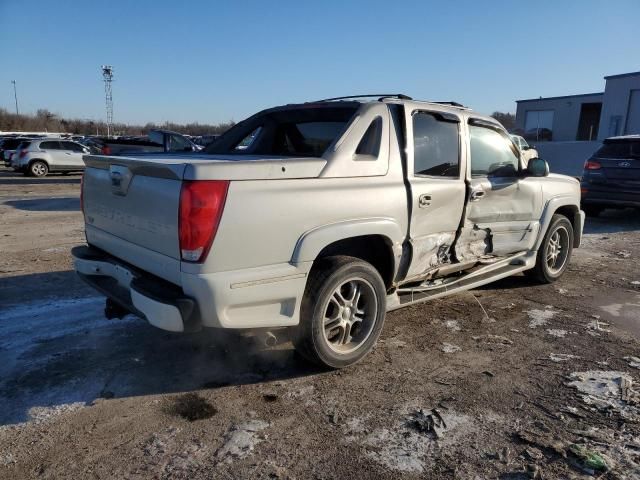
{"x":212,"y":61}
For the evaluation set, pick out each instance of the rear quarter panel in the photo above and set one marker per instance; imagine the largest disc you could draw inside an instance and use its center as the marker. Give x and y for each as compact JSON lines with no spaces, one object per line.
{"x":263,"y":220}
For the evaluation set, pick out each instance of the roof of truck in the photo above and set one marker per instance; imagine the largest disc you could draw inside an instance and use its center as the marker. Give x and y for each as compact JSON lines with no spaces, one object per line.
{"x":354,"y":101}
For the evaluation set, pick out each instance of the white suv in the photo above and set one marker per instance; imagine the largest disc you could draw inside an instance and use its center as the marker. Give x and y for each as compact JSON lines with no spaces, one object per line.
{"x":39,"y":157}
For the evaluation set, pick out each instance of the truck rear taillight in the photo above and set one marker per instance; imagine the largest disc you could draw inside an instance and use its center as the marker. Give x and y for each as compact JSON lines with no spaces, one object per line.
{"x":591,"y":165}
{"x":201,"y":206}
{"x":106,"y":150}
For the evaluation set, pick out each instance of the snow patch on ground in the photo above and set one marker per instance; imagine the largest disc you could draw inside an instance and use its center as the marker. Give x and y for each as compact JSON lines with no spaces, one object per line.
{"x":561,"y":357}
{"x":452,"y":325}
{"x":450,"y":348}
{"x":607,"y":390}
{"x":555,"y":332}
{"x":634,"y":362}
{"x":241,"y":440}
{"x":406,"y":450}
{"x":539,"y":318}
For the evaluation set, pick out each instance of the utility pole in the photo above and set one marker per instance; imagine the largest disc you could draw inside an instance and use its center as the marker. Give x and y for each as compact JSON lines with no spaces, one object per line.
{"x":107,"y":75}
{"x":15,"y":95}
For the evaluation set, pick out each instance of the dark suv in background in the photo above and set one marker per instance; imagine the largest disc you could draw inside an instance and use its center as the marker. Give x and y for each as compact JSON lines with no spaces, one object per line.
{"x":611,"y":177}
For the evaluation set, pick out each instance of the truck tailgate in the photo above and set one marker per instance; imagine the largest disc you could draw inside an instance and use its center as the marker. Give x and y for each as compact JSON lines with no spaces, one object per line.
{"x":134,"y":200}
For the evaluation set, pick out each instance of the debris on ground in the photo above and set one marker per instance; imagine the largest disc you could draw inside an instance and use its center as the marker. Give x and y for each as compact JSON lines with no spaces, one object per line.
{"x":596,"y":326}
{"x":407,"y":445}
{"x":427,"y":421}
{"x":543,"y":440}
{"x":608,"y":391}
{"x":450,"y":348}
{"x":539,"y":318}
{"x":587,"y":460}
{"x":634,"y":362}
{"x":191,"y":406}
{"x":241,"y":440}
{"x":562,"y":357}
{"x":493,"y":339}
{"x":623,"y":254}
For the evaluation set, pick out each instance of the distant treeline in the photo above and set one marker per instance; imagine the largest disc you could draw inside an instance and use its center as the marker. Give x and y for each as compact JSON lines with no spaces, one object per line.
{"x":44,"y":120}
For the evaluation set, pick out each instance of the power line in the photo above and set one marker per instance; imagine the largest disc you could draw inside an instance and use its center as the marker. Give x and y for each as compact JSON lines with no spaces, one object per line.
{"x":107,"y":75}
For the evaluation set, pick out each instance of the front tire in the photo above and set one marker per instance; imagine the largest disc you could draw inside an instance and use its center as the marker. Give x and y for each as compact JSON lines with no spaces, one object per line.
{"x":555,"y":251}
{"x":342,"y":312}
{"x":38,"y":169}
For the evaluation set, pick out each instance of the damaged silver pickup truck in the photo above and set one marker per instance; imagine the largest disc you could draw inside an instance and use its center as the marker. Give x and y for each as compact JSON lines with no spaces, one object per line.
{"x":318,"y":218}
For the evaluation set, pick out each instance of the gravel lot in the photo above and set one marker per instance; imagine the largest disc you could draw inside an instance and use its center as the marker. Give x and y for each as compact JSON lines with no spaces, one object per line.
{"x":510,"y":381}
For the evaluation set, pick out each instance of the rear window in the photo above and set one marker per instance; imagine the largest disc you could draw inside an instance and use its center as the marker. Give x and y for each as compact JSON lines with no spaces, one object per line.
{"x":619,"y":149}
{"x":10,"y":143}
{"x":301,"y":132}
{"x":23,"y":145}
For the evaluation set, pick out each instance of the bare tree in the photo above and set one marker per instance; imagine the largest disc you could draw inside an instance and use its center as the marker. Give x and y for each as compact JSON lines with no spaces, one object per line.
{"x":508,"y":120}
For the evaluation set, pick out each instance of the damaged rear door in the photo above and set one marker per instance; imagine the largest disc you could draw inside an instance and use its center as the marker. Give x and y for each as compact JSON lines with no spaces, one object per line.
{"x":504,"y":206}
{"x":435,"y":174}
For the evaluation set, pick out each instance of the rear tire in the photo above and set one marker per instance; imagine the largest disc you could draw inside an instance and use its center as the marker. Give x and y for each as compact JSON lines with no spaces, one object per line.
{"x":592,"y":210}
{"x":555,"y":251}
{"x":38,"y":168}
{"x":342,"y":312}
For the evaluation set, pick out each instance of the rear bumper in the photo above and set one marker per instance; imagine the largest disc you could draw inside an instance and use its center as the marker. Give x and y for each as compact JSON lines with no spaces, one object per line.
{"x":261,"y":297}
{"x":162,"y":304}
{"x":610,"y":196}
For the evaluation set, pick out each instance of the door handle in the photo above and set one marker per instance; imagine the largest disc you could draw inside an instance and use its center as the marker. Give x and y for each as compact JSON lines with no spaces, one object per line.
{"x":424,"y":200}
{"x":477,"y":195}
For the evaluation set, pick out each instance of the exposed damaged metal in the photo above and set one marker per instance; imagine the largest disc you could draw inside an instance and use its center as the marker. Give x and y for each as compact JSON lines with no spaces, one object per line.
{"x":474,"y":242}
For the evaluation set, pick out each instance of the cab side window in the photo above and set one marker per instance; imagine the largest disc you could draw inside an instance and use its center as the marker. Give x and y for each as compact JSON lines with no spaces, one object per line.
{"x":50,"y":145}
{"x":492,"y":153}
{"x":436,"y":146}
{"x":370,"y":143}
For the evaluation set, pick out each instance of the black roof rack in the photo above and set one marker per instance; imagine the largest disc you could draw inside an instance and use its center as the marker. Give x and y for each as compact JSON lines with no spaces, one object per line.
{"x":379,"y":95}
{"x":453,"y":104}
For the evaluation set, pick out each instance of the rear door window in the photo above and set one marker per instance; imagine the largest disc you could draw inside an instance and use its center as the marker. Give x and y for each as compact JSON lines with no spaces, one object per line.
{"x":50,"y":145}
{"x":74,"y":147}
{"x":436,"y":146}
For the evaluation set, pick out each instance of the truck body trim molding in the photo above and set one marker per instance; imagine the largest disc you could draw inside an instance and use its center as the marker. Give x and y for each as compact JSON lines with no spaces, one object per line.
{"x":311,"y":243}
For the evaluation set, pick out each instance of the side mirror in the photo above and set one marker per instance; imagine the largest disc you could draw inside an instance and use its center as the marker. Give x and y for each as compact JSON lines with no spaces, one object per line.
{"x":526,"y":147}
{"x":538,"y":167}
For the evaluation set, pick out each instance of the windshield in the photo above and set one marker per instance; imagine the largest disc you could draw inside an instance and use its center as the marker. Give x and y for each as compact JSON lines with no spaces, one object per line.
{"x":619,"y":149}
{"x":295,"y":132}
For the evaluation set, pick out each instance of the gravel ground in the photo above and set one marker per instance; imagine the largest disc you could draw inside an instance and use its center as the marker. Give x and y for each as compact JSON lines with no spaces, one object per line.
{"x":510,"y":381}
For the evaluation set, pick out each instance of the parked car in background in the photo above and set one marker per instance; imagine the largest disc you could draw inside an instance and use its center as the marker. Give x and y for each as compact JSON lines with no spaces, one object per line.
{"x":8,"y":147}
{"x":38,"y":157}
{"x":321,"y":217}
{"x":157,"y":141}
{"x":526,"y":152}
{"x":611,"y":177}
{"x":204,"y":140}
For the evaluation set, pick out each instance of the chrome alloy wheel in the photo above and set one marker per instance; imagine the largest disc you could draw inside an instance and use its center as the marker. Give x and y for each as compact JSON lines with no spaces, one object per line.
{"x":350,"y":315}
{"x":38,"y":169}
{"x":557,"y":250}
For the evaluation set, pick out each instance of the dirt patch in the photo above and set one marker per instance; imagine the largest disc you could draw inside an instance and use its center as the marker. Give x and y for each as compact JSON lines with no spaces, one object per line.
{"x":191,"y":406}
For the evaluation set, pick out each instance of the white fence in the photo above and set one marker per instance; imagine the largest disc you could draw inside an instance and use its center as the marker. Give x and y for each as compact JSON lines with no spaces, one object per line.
{"x":566,"y":157}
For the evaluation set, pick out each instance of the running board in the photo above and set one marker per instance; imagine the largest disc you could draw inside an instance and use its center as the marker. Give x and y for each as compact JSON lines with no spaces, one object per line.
{"x":496,"y":271}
